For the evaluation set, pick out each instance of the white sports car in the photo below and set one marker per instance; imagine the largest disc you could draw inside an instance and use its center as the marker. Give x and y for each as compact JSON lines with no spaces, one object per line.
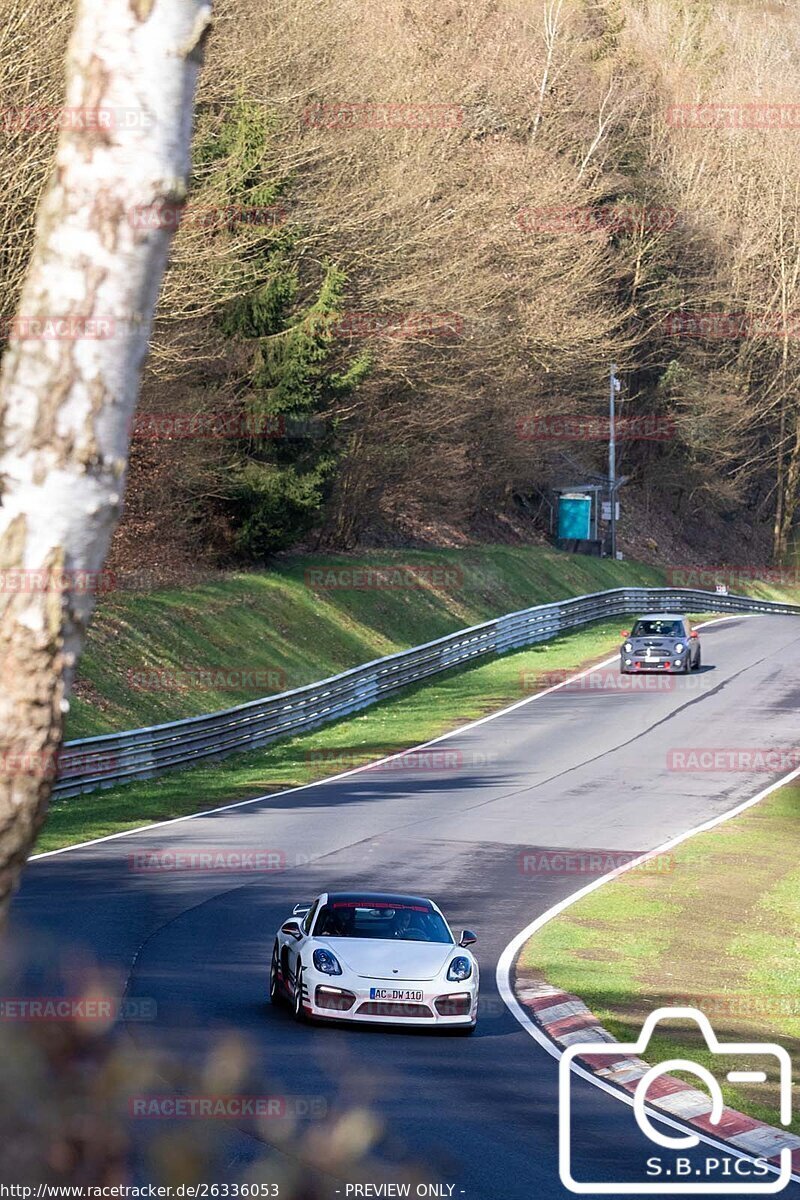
{"x":375,"y":958}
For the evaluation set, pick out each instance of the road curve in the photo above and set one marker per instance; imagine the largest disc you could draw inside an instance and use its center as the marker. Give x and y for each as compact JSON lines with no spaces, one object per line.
{"x":574,"y":769}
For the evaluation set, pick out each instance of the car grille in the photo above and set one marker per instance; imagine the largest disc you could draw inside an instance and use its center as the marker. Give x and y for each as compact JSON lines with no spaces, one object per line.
{"x":387,"y":1008}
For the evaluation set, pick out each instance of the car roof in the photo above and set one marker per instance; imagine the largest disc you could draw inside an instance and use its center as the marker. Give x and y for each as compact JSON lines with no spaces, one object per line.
{"x":378,"y":899}
{"x":661,"y":617}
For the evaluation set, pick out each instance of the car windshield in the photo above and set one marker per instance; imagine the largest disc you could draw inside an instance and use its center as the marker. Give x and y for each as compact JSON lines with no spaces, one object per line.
{"x":403,"y":922}
{"x":658,"y":629}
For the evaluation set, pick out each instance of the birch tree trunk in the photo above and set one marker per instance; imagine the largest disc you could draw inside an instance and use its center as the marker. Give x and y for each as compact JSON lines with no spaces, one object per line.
{"x":70,"y":376}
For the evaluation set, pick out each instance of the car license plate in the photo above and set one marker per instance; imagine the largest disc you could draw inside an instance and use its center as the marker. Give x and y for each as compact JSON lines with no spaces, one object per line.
{"x":394,"y":994}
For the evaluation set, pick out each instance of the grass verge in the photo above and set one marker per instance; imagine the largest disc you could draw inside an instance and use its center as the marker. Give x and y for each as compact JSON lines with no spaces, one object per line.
{"x":157,"y":656}
{"x":421,"y":713}
{"x":717,"y":932}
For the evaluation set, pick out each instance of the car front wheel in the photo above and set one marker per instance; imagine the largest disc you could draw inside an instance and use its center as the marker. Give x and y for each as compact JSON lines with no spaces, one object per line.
{"x":274,"y":985}
{"x":299,"y":1014}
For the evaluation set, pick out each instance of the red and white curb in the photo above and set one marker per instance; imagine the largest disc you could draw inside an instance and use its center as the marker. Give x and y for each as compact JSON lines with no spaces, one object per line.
{"x":566,"y":1020}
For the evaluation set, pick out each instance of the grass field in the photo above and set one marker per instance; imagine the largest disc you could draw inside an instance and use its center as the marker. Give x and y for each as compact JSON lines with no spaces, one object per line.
{"x":422,"y":712}
{"x":148,"y":654}
{"x":718,"y":931}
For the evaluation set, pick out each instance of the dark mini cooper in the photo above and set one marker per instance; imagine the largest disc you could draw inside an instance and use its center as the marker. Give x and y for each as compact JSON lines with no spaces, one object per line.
{"x":660,"y":642}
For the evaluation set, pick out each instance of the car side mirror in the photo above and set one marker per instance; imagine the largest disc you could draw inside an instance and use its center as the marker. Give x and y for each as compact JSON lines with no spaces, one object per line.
{"x":292,"y":928}
{"x":468,"y":938}
{"x":300,"y":910}
{"x":694,"y":634}
{"x":624,"y":633}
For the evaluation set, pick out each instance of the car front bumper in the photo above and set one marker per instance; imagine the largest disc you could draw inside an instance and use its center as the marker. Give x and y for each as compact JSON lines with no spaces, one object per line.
{"x":638,"y":662}
{"x":446,"y":1005}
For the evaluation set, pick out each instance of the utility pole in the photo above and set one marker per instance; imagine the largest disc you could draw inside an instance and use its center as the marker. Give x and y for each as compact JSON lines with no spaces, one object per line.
{"x":613,"y":388}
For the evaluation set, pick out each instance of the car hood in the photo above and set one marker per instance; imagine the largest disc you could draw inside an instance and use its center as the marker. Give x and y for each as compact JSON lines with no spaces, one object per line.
{"x":664,"y":643}
{"x":373,"y":958}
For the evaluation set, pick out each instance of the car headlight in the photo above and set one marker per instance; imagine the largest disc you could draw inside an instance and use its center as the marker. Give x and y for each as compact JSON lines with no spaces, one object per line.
{"x":629,"y":646}
{"x":679,"y":647}
{"x":460,"y":968}
{"x":326,"y":962}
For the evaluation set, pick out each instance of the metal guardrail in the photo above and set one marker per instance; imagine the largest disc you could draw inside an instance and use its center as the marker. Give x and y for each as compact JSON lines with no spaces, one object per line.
{"x":115,"y":758}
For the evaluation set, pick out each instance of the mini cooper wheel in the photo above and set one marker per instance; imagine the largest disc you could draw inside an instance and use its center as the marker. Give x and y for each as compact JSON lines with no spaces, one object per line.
{"x":297,"y":1007}
{"x":697,"y":662}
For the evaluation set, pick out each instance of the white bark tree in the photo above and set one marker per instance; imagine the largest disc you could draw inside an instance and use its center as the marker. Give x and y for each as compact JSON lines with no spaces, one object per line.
{"x":70,"y":376}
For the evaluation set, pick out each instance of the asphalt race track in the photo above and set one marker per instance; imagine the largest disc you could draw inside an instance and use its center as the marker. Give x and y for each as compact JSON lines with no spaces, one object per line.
{"x":583,"y":768}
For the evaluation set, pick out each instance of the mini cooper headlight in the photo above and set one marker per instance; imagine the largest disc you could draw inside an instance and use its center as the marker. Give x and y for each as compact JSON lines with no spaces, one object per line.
{"x":460,"y":968}
{"x":629,"y":646}
{"x":679,"y":647}
{"x":326,"y":962}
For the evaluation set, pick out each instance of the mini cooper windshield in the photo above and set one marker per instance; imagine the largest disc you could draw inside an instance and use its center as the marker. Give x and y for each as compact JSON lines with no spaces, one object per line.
{"x":672,"y":629}
{"x":403,"y":922}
